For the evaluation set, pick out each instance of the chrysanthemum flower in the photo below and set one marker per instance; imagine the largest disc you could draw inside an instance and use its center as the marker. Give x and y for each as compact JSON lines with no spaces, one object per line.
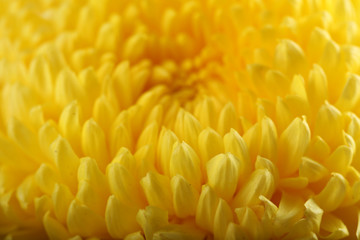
{"x":182,"y":119}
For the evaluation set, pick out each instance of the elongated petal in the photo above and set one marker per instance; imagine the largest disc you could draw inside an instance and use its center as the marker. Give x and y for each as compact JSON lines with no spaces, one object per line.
{"x":185,"y":162}
{"x":157,"y":190}
{"x":261,"y":182}
{"x":223,"y":174}
{"x":185,"y":197}
{"x":120,"y":218}
{"x":206,"y":208}
{"x":333,"y":193}
{"x":292,"y":145}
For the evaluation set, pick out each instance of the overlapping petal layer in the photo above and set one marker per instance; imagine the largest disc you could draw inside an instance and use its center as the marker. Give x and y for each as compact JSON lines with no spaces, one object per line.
{"x":184,"y":119}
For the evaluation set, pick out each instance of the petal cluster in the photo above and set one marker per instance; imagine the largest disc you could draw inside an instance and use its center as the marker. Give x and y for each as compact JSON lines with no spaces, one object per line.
{"x":184,"y":119}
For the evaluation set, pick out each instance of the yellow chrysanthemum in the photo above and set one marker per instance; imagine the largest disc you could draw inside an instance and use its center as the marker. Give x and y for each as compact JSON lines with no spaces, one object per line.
{"x":181,"y":119}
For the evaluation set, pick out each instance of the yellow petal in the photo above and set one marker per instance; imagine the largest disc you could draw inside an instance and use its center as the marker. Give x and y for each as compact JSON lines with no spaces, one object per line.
{"x":264,"y":163}
{"x":292,"y":145}
{"x":228,"y":119}
{"x":223,"y":216}
{"x":206,"y":208}
{"x":36,"y":116}
{"x":90,"y":172}
{"x":61,"y":198}
{"x":340,"y":160}
{"x":350,"y":95}
{"x":94,"y":143}
{"x":188,"y":127}
{"x":120,"y":137}
{"x":297,"y":87}
{"x":185,"y":162}
{"x":333,"y":193}
{"x":109,"y":34}
{"x":9,"y":151}
{"x":26,"y":193}
{"x":67,"y":88}
{"x":148,"y":136}
{"x":120,"y":218}
{"x":261,"y":182}
{"x":83,"y":221}
{"x":334,"y":226}
{"x":46,"y":135}
{"x":145,"y":158}
{"x":249,"y":222}
{"x":206,"y":111}
{"x":291,"y":209}
{"x":46,"y":178}
{"x":24,"y":138}
{"x":90,"y":83}
{"x":185,"y":197}
{"x":135,"y":236}
{"x":54,"y":229}
{"x":252,"y":137}
{"x":210,"y":144}
{"x":268,"y":143}
{"x":289,"y":58}
{"x":317,"y":87}
{"x":66,"y":161}
{"x":43,"y":204}
{"x":318,"y":149}
{"x":167,"y":139}
{"x":152,"y":219}
{"x":157,"y":190}
{"x":293,"y":183}
{"x":311,"y":170}
{"x":329,"y":125}
{"x":269,"y":215}
{"x":313,"y":214}
{"x":70,"y":124}
{"x":123,"y":184}
{"x":236,"y":145}
{"x":317,"y":43}
{"x":223,"y":174}
{"x":40,"y":73}
{"x":104,"y":113}
{"x":135,"y":47}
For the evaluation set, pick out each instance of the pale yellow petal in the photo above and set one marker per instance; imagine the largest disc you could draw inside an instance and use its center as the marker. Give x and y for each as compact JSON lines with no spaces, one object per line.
{"x":120,"y":218}
{"x":333,"y":226}
{"x":167,"y":139}
{"x":157,"y":191}
{"x":311,"y":170}
{"x":185,"y":162}
{"x":151,"y":220}
{"x":70,"y":124}
{"x":292,"y":145}
{"x":261,"y":182}
{"x":210,"y":144}
{"x":223,"y":216}
{"x":206,"y":208}
{"x":185,"y":197}
{"x":54,"y":229}
{"x":223,"y":174}
{"x":249,"y":222}
{"x":61,"y":198}
{"x":66,"y":161}
{"x":333,"y":193}
{"x":94,"y":144}
{"x":83,"y":221}
{"x":291,"y":209}
{"x":289,"y":58}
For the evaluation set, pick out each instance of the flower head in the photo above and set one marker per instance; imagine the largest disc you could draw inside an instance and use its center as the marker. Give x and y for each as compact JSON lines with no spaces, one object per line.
{"x":186,"y":119}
